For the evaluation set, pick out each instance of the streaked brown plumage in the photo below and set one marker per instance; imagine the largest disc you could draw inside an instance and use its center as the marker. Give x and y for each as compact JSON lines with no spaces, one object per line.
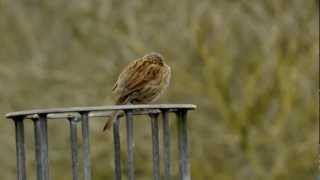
{"x":141,"y":82}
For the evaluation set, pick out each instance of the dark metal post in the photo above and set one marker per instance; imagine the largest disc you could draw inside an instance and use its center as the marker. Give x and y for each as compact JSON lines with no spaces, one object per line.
{"x":155,"y":146}
{"x":130,"y":144}
{"x":116,"y":142}
{"x":86,"y":150}
{"x":183,"y":145}
{"x":74,"y":148}
{"x":166,"y":145}
{"x":20,"y":148}
{"x":41,"y":144}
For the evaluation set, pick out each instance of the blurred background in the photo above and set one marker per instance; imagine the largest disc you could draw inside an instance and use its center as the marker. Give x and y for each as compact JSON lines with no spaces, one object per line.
{"x":251,"y":66}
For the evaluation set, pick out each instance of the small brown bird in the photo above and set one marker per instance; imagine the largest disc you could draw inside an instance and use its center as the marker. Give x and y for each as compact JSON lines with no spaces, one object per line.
{"x":141,"y":82}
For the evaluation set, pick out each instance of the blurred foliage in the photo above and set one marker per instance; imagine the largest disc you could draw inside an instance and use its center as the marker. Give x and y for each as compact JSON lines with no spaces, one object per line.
{"x":250,"y":66}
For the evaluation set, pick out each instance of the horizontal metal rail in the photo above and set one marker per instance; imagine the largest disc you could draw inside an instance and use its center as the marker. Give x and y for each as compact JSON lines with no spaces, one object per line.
{"x":83,"y":115}
{"x":173,"y":107}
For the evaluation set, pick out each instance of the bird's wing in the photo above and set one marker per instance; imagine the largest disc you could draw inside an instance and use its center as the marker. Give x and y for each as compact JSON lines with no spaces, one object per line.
{"x":135,"y":76}
{"x":118,"y":86}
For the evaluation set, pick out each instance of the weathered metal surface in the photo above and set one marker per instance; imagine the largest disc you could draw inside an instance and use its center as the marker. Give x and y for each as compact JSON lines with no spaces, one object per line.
{"x":130,"y":144}
{"x":86,"y":146}
{"x":155,"y":146}
{"x":94,"y":114}
{"x":183,"y":145}
{"x":74,"y":148}
{"x":101,"y":108}
{"x":41,"y":145}
{"x":83,"y":114}
{"x":20,"y":146}
{"x":117,"y":150}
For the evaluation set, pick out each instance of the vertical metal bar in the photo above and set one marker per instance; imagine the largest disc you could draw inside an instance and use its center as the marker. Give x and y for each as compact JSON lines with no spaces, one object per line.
{"x":116,"y":142}
{"x":20,"y":149}
{"x":130,"y":144}
{"x":37,"y":136}
{"x":44,"y":124}
{"x":74,"y":147}
{"x":183,"y":145}
{"x":41,"y":144}
{"x":155,"y":146}
{"x":166,"y":145}
{"x":86,"y":150}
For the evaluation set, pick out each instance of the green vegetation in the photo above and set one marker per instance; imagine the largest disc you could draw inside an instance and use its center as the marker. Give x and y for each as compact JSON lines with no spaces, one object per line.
{"x":250,"y":66}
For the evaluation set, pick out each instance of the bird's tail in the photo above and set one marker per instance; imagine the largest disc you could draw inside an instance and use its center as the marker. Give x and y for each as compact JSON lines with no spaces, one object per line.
{"x":111,"y":119}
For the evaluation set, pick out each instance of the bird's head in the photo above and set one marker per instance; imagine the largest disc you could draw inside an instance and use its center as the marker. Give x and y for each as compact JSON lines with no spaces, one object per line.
{"x":154,"y":57}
